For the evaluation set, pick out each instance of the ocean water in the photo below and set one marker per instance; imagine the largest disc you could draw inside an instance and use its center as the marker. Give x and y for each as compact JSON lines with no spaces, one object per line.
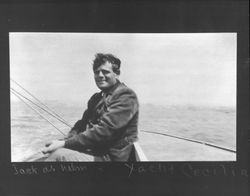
{"x":217,"y":125}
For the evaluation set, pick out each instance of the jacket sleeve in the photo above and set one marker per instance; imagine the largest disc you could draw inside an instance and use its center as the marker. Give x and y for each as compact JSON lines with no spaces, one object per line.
{"x":120,"y":111}
{"x":80,"y":125}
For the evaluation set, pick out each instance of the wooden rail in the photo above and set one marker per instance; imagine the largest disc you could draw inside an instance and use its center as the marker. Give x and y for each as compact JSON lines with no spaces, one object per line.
{"x":139,"y":154}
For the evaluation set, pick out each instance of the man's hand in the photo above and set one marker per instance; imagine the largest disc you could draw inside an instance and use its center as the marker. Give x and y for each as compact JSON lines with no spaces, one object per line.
{"x":52,"y":146}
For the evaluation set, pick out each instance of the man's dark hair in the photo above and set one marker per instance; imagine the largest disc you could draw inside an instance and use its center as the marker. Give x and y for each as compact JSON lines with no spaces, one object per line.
{"x":101,"y":59}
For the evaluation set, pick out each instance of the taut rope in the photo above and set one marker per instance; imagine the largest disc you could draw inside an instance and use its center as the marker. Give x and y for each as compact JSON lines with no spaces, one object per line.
{"x":37,"y":111}
{"x":191,"y":140}
{"x":48,"y":110}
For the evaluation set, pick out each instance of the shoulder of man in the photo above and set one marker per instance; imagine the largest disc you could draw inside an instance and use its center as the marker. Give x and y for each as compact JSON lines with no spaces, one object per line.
{"x":124,"y":89}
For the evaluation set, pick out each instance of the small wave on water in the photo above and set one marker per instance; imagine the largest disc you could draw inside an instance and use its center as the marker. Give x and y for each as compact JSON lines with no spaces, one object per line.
{"x":20,"y":126}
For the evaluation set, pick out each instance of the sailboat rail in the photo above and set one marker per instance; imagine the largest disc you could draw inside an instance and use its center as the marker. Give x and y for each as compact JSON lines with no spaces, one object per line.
{"x":139,"y":154}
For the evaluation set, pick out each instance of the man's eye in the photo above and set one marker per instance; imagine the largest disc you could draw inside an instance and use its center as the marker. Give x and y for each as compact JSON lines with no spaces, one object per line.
{"x":105,"y":72}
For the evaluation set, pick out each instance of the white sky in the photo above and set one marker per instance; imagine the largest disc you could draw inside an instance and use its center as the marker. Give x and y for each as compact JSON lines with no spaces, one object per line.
{"x":163,"y":69}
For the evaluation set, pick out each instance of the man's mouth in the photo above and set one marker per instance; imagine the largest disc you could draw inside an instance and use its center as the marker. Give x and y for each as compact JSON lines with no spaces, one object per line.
{"x":101,"y":81}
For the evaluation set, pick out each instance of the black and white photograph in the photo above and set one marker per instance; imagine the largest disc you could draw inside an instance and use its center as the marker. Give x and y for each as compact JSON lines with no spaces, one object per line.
{"x":124,"y":98}
{"x":111,"y":97}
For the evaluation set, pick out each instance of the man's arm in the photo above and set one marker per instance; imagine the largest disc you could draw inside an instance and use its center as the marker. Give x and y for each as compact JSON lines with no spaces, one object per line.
{"x":80,"y":125}
{"x":120,"y":111}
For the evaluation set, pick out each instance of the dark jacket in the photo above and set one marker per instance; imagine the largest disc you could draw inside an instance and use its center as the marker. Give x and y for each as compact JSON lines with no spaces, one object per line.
{"x":109,"y":126}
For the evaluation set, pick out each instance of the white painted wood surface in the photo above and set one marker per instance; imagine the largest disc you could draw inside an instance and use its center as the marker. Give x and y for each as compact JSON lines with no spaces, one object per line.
{"x":139,"y":154}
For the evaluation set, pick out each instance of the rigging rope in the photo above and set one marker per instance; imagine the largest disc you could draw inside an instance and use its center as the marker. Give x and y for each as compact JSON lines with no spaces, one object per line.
{"x":37,"y":112}
{"x":192,"y":140}
{"x":41,"y":107}
{"x":39,"y":154}
{"x":50,"y":110}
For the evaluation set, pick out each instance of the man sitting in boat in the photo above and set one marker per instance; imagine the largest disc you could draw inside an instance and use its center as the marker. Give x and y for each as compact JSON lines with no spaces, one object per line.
{"x":109,"y":125}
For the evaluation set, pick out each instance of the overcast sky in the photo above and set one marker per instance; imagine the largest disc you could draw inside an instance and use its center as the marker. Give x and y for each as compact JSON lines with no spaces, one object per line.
{"x":163,"y":69}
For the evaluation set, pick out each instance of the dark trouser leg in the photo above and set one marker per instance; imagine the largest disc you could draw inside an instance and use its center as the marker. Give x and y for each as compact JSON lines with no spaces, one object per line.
{"x":63,"y":154}
{"x":104,"y":158}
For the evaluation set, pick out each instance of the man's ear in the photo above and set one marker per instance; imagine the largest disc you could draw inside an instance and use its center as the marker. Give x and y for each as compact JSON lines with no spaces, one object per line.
{"x":118,"y":72}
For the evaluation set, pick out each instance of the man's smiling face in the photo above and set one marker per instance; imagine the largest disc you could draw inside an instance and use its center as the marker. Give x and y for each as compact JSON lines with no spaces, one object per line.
{"x":105,"y":77}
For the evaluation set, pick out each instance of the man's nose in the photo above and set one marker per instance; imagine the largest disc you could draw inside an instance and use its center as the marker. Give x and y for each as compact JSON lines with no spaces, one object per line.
{"x":100,"y":74}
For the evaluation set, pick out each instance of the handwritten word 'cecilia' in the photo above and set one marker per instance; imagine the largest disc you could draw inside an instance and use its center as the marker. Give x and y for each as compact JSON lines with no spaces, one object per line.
{"x":189,"y":170}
